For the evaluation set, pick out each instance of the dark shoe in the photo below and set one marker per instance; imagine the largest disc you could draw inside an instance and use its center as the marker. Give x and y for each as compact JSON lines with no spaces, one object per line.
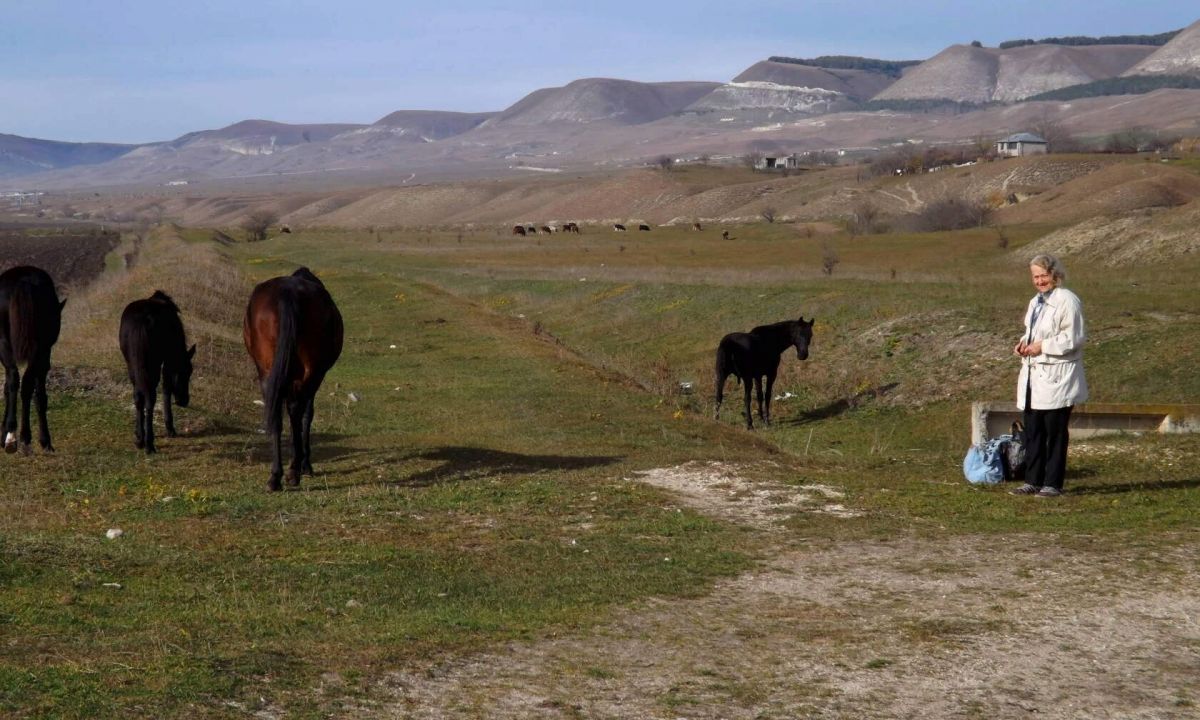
{"x":1025,"y":489}
{"x":1049,"y":492}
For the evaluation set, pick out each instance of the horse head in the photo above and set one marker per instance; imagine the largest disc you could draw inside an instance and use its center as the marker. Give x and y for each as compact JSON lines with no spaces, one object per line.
{"x":179,"y":378}
{"x":802,"y":336}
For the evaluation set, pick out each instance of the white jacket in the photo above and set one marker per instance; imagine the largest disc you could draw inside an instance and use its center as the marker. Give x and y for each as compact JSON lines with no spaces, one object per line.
{"x":1056,"y":376}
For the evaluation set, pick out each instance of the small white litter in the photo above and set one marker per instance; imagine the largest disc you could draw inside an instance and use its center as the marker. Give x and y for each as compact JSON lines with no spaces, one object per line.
{"x":115,"y":586}
{"x":114,"y":533}
{"x":786,"y":396}
{"x":393,"y":347}
{"x":259,"y":403}
{"x":353,"y":397}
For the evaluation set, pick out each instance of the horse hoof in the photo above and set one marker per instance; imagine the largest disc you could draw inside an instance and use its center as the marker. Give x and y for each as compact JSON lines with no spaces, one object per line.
{"x":307,"y":469}
{"x":151,"y":450}
{"x":10,"y":443}
{"x":171,"y":433}
{"x":292,"y":478}
{"x":273,"y":485}
{"x":139,"y":444}
{"x":26,"y":449}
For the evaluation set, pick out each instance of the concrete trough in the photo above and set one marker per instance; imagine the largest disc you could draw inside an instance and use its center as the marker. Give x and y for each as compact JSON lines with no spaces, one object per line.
{"x":989,"y":419}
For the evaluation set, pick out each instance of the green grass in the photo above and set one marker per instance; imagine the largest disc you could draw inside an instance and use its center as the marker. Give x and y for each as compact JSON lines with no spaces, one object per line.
{"x":478,"y":490}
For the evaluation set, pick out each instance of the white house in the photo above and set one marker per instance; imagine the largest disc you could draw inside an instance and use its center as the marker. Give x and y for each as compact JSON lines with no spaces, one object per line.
{"x":1022,"y":144}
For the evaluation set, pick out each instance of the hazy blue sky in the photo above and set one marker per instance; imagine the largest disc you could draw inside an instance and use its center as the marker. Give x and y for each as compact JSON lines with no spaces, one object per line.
{"x":141,"y":70}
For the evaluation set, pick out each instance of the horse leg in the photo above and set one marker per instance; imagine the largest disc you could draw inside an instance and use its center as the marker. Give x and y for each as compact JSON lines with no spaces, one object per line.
{"x":306,"y":466}
{"x":28,"y":383}
{"x":39,"y":398}
{"x":758,"y":391}
{"x":274,"y":483}
{"x":746,"y":386}
{"x":168,"y":418}
{"x":12,"y":386}
{"x":148,"y":417}
{"x":295,"y":411}
{"x":139,"y":410}
{"x":770,"y":391}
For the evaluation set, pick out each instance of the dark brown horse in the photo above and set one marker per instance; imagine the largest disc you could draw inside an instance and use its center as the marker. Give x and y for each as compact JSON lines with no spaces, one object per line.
{"x":154,"y":345}
{"x":518,"y":230}
{"x":30,"y":320}
{"x":293,"y":331}
{"x":750,"y":356}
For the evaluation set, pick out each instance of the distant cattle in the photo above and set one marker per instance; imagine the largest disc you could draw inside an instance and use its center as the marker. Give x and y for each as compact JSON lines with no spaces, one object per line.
{"x":618,"y":227}
{"x":519,"y":230}
{"x":696,"y":226}
{"x":571,"y":227}
{"x":532,"y":229}
{"x":724,"y":234}
{"x":547,"y":229}
{"x":644,"y":227}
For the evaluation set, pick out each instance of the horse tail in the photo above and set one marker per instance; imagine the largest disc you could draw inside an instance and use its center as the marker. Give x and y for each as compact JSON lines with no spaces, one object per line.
{"x":22,"y":322}
{"x":275,"y":387}
{"x":726,"y":364}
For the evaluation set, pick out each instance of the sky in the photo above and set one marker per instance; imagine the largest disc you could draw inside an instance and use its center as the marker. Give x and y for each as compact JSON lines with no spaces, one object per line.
{"x":147,"y":70}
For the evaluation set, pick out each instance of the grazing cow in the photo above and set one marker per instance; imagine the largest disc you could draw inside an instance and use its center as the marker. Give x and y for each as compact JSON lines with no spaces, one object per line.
{"x":724,"y":234}
{"x":532,"y":229}
{"x":547,"y":229}
{"x":618,"y":227}
{"x":30,"y":319}
{"x":153,"y":343}
{"x":696,"y":226}
{"x":751,"y":356}
{"x":519,"y":230}
{"x":294,"y":333}
{"x":572,"y":227}
{"x":644,"y":227}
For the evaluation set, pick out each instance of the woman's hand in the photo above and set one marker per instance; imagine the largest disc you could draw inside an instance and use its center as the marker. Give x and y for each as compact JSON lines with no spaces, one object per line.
{"x":1033,"y":349}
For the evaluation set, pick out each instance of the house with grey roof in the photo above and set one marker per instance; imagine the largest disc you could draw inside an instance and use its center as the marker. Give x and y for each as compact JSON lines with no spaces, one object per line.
{"x":1022,"y":144}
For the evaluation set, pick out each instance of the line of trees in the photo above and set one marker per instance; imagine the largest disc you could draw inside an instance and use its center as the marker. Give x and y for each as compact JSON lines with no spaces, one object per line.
{"x":892,"y":68}
{"x":1079,"y":40}
{"x":1133,"y":85}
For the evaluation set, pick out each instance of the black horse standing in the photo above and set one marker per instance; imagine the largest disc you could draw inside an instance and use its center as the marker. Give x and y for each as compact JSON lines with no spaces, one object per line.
{"x":750,"y":356}
{"x":293,"y":331}
{"x":30,"y":320}
{"x":154,"y":346}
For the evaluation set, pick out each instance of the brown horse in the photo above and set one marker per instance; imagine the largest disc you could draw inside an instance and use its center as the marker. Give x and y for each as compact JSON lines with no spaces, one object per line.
{"x":519,"y":230}
{"x":293,"y":332}
{"x":154,"y":345}
{"x":30,"y":320}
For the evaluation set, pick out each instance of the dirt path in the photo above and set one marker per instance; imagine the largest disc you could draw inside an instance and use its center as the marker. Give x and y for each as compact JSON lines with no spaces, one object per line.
{"x":981,"y":627}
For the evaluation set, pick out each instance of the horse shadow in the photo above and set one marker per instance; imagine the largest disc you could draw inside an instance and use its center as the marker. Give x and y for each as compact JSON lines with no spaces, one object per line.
{"x":476,"y":463}
{"x":841,"y":405}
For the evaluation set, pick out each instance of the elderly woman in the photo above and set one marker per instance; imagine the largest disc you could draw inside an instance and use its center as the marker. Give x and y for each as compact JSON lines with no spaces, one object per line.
{"x":1051,"y":380}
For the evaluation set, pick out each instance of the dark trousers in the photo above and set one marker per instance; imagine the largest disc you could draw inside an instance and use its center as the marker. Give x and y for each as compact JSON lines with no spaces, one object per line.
{"x":1046,"y":439}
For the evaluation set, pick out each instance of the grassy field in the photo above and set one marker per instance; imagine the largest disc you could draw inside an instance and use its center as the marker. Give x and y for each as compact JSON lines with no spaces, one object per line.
{"x":481,"y":487}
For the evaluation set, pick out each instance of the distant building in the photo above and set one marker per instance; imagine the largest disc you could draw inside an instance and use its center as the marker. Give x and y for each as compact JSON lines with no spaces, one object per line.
{"x":788,"y":162}
{"x":1022,"y":144}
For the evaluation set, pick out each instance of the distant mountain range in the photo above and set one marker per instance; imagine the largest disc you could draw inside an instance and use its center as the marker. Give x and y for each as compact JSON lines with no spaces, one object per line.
{"x":782,"y":104}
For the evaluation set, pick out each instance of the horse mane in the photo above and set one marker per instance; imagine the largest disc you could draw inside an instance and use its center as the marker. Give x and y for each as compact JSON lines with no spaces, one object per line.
{"x":165,"y":299}
{"x":306,"y":274}
{"x":773,"y":327}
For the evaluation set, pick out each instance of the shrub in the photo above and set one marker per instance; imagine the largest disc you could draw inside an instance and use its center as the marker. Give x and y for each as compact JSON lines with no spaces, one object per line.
{"x":951,"y":213}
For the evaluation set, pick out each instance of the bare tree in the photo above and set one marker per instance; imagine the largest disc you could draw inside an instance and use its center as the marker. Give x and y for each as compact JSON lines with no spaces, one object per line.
{"x":752,"y":159}
{"x":829,"y":258}
{"x":258,"y":222}
{"x":664,"y":162}
{"x":768,"y":214}
{"x":705,"y":158}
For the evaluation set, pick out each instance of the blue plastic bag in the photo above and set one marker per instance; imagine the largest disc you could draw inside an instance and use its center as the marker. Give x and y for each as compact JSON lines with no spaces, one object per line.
{"x":984,"y":463}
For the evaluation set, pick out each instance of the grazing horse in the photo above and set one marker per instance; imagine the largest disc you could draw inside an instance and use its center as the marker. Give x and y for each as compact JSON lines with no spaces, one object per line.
{"x":547,"y":229}
{"x":30,"y":320}
{"x":573,"y":227}
{"x":293,"y":332}
{"x":519,"y":230}
{"x":724,"y":234}
{"x":618,"y":227}
{"x":154,"y":345}
{"x":644,"y":227}
{"x":532,"y":230}
{"x":750,"y":356}
{"x":697,"y":227}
